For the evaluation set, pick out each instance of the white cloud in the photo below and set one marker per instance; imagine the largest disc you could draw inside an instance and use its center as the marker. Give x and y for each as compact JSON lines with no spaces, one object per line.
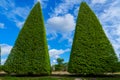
{"x":54,"y":53}
{"x":6,"y":4}
{"x":13,"y":13}
{"x":18,"y":15}
{"x":61,"y":21}
{"x":54,"y":61}
{"x":98,"y":1}
{"x":76,"y":11}
{"x":65,"y":6}
{"x":3,"y":61}
{"x":51,"y":34}
{"x":2,"y":26}
{"x":21,"y":12}
{"x":5,"y":49}
{"x":19,"y":24}
{"x":111,"y":15}
{"x":63,"y":25}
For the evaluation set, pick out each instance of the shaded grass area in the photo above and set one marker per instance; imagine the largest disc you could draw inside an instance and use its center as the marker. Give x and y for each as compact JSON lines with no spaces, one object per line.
{"x":61,"y":77}
{"x":55,"y":78}
{"x":34,"y":78}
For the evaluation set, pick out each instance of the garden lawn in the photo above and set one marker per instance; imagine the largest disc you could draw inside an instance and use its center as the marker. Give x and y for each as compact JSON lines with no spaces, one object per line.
{"x":34,"y":78}
{"x":55,"y":78}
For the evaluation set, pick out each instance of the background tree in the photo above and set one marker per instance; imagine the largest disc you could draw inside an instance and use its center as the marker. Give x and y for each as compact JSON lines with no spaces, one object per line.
{"x":30,"y":52}
{"x":60,"y":61}
{"x":92,"y":52}
{"x":60,"y":66}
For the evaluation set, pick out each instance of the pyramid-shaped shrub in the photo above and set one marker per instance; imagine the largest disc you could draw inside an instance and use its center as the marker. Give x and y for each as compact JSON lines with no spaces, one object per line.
{"x":92,"y":52}
{"x":30,"y":52}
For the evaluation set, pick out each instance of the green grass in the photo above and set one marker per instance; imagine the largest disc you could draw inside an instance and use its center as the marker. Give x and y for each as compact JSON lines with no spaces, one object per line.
{"x":55,"y":78}
{"x":34,"y":78}
{"x":107,"y":79}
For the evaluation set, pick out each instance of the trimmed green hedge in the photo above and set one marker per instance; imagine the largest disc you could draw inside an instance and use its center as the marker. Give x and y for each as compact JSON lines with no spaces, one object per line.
{"x":30,"y":52}
{"x":92,"y":52}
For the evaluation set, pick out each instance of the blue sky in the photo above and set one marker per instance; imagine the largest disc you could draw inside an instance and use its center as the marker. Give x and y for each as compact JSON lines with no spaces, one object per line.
{"x":60,"y":19}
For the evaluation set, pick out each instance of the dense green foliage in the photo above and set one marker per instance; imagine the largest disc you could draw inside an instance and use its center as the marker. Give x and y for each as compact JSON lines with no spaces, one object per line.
{"x":92,"y":52}
{"x":30,"y":52}
{"x":60,"y":61}
{"x":60,"y":66}
{"x":116,"y":67}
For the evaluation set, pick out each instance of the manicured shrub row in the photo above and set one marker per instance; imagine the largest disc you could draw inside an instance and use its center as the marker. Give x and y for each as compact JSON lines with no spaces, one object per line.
{"x":30,"y":52}
{"x":92,"y":52}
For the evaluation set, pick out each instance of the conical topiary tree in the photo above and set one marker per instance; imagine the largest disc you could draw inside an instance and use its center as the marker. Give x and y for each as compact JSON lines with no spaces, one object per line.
{"x":30,"y":52}
{"x":92,"y":52}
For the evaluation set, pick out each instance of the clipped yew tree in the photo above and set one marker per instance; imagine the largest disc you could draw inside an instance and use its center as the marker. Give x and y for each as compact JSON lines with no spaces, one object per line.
{"x":92,"y":52}
{"x":30,"y":52}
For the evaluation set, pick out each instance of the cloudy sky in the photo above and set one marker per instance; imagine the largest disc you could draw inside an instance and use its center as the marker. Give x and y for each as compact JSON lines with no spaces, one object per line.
{"x":60,"y":19}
